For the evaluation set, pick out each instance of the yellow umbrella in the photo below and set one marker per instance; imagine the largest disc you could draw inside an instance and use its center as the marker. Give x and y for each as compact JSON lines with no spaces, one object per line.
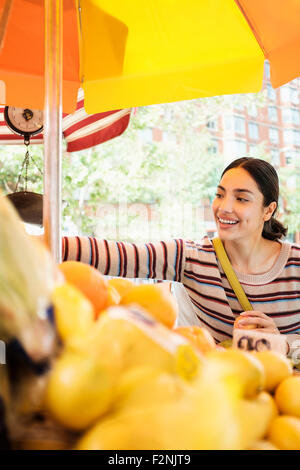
{"x":139,"y":52}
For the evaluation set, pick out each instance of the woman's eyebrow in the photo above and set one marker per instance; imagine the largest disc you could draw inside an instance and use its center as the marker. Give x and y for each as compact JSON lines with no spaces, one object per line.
{"x":237,"y":190}
{"x":241,"y":190}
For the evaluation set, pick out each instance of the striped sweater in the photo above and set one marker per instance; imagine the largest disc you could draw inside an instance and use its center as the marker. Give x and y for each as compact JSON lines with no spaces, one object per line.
{"x":195,"y":265}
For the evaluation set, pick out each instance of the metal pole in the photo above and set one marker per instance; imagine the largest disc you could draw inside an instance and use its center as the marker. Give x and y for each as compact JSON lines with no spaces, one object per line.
{"x":53,"y":127}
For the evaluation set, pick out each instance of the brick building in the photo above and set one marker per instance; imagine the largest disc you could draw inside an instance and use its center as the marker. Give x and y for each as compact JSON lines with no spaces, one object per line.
{"x":275,"y":126}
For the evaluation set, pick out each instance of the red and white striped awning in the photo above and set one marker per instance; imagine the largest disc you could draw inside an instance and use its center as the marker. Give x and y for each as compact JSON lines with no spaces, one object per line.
{"x":80,"y":130}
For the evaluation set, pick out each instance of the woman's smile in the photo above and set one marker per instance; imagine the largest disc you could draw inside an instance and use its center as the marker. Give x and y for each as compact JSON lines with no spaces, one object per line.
{"x":226,"y":223}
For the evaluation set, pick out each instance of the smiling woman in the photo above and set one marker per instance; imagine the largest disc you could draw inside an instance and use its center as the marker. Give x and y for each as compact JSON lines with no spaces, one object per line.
{"x":267,"y":267}
{"x":244,"y":208}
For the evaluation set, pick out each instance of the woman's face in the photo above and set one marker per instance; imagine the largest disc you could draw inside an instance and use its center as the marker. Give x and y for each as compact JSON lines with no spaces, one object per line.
{"x":238,"y":206}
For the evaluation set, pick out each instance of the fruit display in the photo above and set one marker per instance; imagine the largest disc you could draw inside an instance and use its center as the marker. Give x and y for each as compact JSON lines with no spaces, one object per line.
{"x":100,"y":364}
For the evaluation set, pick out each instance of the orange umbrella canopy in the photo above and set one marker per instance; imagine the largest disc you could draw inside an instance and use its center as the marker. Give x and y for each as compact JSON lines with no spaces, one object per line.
{"x":22,"y":55}
{"x":136,"y":52}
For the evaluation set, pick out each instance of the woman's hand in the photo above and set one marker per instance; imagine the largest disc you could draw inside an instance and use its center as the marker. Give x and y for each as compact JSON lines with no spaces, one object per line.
{"x":260,"y":320}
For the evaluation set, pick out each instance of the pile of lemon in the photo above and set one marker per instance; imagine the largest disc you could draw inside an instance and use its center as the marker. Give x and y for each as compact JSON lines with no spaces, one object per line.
{"x":127,"y":378}
{"x":284,"y":430}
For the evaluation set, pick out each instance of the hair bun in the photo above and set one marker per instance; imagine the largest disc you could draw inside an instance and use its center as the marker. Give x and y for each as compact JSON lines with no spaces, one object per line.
{"x":273,"y":229}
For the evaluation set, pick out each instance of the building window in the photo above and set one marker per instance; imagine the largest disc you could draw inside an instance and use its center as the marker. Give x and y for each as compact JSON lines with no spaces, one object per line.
{"x":272,"y":113}
{"x":252,"y":110}
{"x":291,"y":115}
{"x":228,"y":123}
{"x":289,"y":157}
{"x":239,"y":125}
{"x":291,"y":137}
{"x":295,"y":115}
{"x":274,"y":135}
{"x":275,"y":157}
{"x":296,"y":137}
{"x":253,"y":130}
{"x":271,"y":92}
{"x":213,"y":147}
{"x":240,"y":147}
{"x":289,"y":94}
{"x":235,"y":148}
{"x":288,"y":136}
{"x":286,"y":115}
{"x":267,"y":70}
{"x":284,"y":94}
{"x":212,"y":125}
{"x":294,"y":94}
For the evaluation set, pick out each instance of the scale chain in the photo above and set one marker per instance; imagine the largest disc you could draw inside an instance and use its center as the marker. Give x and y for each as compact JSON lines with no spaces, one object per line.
{"x":26,"y":165}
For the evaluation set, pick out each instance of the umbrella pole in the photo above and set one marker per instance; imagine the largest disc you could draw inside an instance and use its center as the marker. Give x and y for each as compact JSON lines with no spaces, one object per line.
{"x":53,"y":127}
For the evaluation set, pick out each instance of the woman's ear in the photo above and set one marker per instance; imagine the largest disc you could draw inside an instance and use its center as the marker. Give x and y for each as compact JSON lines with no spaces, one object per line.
{"x":269,"y":211}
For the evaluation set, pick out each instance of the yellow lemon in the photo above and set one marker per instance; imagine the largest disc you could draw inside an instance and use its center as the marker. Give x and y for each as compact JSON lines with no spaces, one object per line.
{"x":285,"y":432}
{"x":79,"y":390}
{"x":156,"y":300}
{"x":287,"y":396}
{"x":243,"y":366}
{"x":255,"y":417}
{"x":144,"y":386}
{"x":277,"y":368}
{"x":121,"y":284}
{"x":74,"y":313}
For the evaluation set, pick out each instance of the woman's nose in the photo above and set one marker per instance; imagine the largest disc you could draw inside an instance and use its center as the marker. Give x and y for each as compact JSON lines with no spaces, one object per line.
{"x":226,"y":204}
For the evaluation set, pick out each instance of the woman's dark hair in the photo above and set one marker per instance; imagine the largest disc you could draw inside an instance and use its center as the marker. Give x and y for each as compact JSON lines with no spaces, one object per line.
{"x":266,"y":179}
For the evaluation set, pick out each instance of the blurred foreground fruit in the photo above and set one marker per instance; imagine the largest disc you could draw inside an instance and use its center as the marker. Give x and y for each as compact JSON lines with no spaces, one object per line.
{"x":79,"y":390}
{"x":277,"y":367}
{"x":130,"y":337}
{"x":88,"y":280}
{"x":284,"y":432}
{"x":156,"y":300}
{"x":74,"y":313}
{"x":121,"y":284}
{"x":287,"y":396}
{"x":202,"y":417}
{"x":243,"y":364}
{"x":255,"y":417}
{"x":263,"y":445}
{"x":198,"y":336}
{"x":146,"y":386}
{"x":28,"y":275}
{"x":113,"y":296}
